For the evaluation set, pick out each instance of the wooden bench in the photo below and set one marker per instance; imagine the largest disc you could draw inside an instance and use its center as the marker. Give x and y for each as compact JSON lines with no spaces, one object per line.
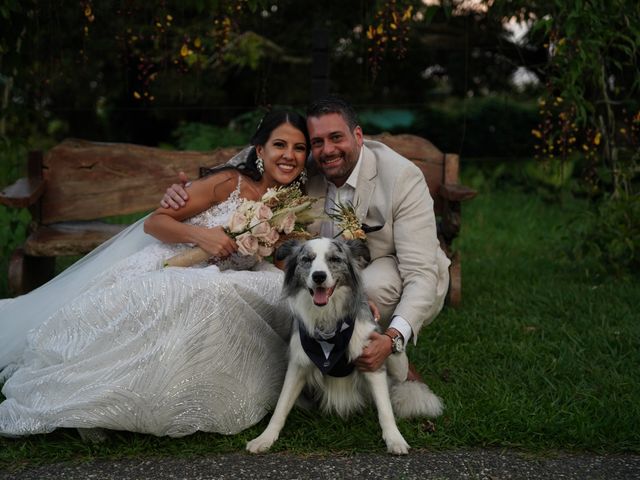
{"x":74,"y":186}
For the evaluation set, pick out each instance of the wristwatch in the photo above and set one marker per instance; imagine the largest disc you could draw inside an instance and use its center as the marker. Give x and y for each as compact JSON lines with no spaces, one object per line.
{"x":397,"y":340}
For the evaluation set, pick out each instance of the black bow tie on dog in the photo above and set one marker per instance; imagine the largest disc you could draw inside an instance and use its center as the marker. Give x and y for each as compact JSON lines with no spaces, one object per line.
{"x":334,"y":363}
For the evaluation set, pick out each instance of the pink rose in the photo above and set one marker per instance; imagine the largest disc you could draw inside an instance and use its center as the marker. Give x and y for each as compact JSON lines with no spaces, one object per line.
{"x":272,"y":237}
{"x":247,"y":244}
{"x":262,"y":212}
{"x":286,"y":223}
{"x":261,"y":230}
{"x":265,"y":250}
{"x":237,"y":222}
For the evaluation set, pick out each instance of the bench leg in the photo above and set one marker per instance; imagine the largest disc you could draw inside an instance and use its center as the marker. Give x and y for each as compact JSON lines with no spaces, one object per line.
{"x":454,"y":295}
{"x":27,"y":272}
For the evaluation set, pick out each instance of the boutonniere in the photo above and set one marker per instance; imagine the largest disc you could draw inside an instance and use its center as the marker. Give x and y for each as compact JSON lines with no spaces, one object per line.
{"x":346,"y":220}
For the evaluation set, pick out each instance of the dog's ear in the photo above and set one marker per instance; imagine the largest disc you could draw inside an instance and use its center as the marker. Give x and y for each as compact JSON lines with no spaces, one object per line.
{"x":286,"y":249}
{"x":360,"y":251}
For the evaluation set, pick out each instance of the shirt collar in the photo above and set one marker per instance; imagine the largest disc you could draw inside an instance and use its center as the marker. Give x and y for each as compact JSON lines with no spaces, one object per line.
{"x":352,"y":181}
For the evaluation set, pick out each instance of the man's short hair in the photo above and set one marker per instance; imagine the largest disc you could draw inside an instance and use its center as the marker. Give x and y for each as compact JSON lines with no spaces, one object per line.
{"x":334,"y":104}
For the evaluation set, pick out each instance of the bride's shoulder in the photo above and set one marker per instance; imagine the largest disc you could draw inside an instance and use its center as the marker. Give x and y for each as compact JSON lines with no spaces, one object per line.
{"x":222,"y":183}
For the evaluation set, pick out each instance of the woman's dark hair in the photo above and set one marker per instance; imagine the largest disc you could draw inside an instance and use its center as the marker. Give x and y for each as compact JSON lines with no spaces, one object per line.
{"x":267,"y":125}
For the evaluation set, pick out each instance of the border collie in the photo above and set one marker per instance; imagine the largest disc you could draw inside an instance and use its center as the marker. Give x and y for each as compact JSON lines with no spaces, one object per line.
{"x":332,"y":324}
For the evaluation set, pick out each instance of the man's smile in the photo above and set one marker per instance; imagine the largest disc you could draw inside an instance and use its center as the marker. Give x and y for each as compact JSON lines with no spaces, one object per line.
{"x":330,"y":161}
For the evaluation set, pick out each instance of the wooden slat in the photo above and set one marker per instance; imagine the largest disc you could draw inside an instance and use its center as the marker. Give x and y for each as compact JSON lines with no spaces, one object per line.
{"x":454,"y":295}
{"x":88,"y":180}
{"x":457,"y":192}
{"x":451,"y":168}
{"x":424,"y":154}
{"x":411,"y":146}
{"x":72,"y":238}
{"x":26,"y":272}
{"x":23,"y":193}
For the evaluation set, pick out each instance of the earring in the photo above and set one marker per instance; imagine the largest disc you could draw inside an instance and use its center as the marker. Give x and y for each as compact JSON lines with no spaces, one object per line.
{"x":302,"y":178}
{"x":260,"y":165}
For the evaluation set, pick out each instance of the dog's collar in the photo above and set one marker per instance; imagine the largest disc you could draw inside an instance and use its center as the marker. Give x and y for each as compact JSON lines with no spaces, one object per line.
{"x":329,"y":353}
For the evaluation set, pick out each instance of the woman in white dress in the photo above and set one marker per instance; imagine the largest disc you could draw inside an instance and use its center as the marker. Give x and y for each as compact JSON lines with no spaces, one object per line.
{"x":118,"y":342}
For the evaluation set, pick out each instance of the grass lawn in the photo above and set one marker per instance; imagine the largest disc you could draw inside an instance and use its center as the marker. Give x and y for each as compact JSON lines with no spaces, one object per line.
{"x":539,"y":357}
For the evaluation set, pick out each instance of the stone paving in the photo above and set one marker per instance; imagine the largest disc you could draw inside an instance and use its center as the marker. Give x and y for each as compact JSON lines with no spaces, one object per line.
{"x":458,"y":464}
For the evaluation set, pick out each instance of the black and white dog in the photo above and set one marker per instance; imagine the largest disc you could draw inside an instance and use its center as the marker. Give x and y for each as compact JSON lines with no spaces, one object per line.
{"x":332,"y":324}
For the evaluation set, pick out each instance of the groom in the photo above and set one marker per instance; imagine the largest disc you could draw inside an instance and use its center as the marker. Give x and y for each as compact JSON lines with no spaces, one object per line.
{"x":408,"y":275}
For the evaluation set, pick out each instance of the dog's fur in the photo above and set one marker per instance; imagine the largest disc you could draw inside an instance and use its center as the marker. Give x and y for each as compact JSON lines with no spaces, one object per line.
{"x":322,"y":285}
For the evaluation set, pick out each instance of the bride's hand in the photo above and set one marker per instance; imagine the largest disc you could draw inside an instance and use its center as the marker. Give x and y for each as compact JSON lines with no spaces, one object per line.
{"x":216,"y":242}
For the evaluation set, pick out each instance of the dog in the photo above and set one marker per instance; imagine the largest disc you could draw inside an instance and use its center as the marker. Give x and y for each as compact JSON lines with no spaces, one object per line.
{"x":331,"y":327}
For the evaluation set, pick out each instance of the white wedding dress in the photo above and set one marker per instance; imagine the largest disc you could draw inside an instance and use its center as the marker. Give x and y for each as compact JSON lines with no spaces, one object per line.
{"x":118,"y":342}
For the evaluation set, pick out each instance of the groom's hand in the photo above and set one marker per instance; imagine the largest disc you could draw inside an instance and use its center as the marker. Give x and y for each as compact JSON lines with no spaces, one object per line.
{"x":374,"y":354}
{"x":176,"y":196}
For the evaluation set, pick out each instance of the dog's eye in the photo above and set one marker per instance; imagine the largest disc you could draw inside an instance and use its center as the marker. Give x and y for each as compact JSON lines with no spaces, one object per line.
{"x":334,"y":259}
{"x":305,"y":259}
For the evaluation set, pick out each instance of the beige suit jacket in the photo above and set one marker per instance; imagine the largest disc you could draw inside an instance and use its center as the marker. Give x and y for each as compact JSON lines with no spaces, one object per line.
{"x":391,"y":192}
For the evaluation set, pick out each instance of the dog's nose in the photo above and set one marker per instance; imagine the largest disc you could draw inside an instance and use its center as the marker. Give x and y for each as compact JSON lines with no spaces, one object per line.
{"x":318,"y":276}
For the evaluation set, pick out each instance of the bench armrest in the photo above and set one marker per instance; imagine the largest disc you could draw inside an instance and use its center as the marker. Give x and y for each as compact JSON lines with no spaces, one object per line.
{"x":456,"y":192}
{"x":23,"y":193}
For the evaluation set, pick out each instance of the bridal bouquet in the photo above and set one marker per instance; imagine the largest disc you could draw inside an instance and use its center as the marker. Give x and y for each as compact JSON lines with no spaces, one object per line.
{"x":258,"y":226}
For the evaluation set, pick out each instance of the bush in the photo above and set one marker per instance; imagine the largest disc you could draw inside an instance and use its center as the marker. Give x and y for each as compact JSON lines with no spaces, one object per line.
{"x":483,"y":127}
{"x":202,"y":137}
{"x":13,"y":222}
{"x":607,"y":237}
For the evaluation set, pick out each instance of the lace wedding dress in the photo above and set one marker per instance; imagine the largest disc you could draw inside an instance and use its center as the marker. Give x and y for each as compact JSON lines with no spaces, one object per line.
{"x":125,"y":344}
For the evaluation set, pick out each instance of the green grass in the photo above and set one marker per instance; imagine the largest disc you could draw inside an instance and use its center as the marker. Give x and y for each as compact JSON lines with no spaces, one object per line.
{"x":539,"y":357}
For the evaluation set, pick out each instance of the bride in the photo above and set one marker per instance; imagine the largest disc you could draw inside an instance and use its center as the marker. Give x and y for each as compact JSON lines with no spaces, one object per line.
{"x":118,"y":342}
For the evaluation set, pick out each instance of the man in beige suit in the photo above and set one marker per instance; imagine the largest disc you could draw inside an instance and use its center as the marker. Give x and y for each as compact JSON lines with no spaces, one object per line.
{"x":408,"y":276}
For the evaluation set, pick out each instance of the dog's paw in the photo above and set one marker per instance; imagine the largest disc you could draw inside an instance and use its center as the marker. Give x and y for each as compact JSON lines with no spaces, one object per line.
{"x":261,"y":444}
{"x":396,"y":444}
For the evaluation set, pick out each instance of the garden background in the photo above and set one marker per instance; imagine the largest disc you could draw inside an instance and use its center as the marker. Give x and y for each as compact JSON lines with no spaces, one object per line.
{"x":539,"y":99}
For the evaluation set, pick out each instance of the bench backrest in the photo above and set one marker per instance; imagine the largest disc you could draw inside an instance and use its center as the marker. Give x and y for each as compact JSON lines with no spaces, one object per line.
{"x":437,"y":167}
{"x":88,"y":180}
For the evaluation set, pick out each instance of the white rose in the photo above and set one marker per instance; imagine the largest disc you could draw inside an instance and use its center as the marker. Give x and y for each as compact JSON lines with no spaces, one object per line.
{"x":246,"y":208}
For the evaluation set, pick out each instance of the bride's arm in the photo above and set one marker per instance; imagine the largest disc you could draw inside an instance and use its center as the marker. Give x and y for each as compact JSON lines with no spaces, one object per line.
{"x":166,"y":224}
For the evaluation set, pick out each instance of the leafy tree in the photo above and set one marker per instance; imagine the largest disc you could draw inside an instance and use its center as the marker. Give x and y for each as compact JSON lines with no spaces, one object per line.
{"x":590,"y":108}
{"x":132,"y":70}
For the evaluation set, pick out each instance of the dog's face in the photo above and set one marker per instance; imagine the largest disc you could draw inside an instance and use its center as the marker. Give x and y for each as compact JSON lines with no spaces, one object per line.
{"x":322,"y":265}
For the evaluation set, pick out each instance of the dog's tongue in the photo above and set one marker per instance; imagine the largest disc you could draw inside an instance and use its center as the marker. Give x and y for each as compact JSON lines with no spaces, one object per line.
{"x":320,"y":296}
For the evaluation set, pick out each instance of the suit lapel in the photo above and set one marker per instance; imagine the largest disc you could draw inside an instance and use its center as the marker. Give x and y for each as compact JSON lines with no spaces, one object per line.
{"x":366,"y":184}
